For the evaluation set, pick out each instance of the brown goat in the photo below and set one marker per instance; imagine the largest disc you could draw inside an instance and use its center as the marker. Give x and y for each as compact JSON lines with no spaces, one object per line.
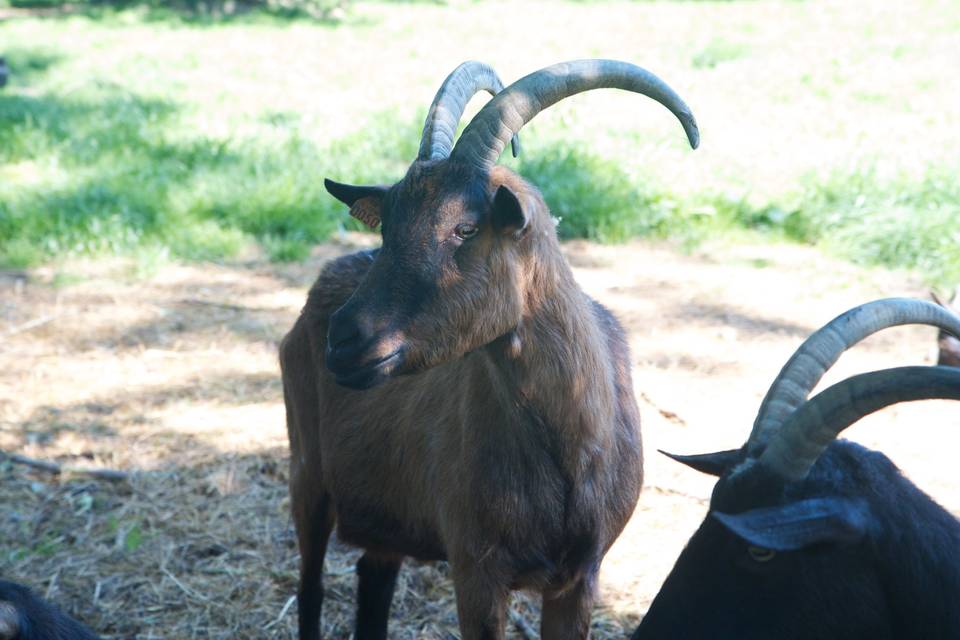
{"x":948,"y":347}
{"x":513,"y":450}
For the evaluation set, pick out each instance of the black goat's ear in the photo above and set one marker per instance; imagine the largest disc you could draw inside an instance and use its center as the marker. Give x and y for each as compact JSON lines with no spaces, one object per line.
{"x":508,"y":214}
{"x":366,"y":203}
{"x":799,"y":524}
{"x":712,"y":464}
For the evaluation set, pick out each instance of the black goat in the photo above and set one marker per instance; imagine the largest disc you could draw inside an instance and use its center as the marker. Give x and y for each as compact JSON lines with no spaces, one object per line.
{"x":812,"y":538}
{"x":26,"y":616}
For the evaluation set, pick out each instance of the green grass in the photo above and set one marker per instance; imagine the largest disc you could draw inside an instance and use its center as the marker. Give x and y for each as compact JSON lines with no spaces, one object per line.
{"x":718,"y":51}
{"x":142,"y":133}
{"x":104,"y":173}
{"x":901,"y":221}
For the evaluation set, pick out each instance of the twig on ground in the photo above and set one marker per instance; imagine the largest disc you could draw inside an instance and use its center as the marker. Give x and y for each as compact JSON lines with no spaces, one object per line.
{"x":522,"y":625}
{"x":666,"y":413}
{"x":283,"y":612}
{"x":112,"y":475}
{"x":52,"y":587}
{"x":187,"y":590}
{"x":222,"y":305}
{"x":32,"y":324}
{"x":675,"y":492}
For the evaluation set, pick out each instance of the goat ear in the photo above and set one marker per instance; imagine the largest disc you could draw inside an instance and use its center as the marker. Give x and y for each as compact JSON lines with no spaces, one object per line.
{"x":951,"y":303}
{"x":508,"y":214}
{"x":799,"y":524}
{"x":712,"y":464}
{"x":365,"y":203}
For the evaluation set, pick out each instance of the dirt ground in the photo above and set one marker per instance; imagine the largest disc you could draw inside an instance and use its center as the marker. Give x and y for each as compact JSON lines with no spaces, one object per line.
{"x":174,"y":377}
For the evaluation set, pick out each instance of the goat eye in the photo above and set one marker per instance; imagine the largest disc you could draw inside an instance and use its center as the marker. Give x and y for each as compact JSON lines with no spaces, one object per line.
{"x":465,"y":231}
{"x":761,"y":554}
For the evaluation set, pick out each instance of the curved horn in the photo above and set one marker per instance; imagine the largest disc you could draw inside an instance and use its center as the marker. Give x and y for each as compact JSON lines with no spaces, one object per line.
{"x":447,"y":107}
{"x":821,"y":350}
{"x":797,"y":445}
{"x":484,"y":138}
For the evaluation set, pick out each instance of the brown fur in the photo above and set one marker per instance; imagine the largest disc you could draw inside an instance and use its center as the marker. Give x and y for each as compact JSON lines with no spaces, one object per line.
{"x":513,"y":452}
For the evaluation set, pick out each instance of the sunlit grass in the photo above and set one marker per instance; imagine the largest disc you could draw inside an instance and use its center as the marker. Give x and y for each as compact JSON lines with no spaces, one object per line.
{"x":826,"y":123}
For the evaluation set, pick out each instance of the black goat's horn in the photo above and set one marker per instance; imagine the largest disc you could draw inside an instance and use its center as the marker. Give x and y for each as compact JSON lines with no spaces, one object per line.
{"x":484,"y":138}
{"x":821,"y":350}
{"x":808,"y":431}
{"x":449,"y":103}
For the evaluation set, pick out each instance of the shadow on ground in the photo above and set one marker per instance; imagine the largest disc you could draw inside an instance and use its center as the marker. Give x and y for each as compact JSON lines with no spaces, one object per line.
{"x":28,"y":64}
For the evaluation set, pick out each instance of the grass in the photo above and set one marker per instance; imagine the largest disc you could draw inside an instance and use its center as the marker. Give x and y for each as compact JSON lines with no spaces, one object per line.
{"x":901,"y":222}
{"x":145,"y":133}
{"x":107,"y":172}
{"x":718,"y":51}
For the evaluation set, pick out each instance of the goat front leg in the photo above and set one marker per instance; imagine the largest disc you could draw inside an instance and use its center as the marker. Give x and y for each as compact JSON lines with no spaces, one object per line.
{"x":481,"y":604}
{"x":313,"y":517}
{"x":566,"y":616}
{"x":376,"y":579}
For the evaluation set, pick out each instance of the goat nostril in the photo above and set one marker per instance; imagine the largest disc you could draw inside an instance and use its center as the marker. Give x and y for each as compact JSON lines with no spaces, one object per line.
{"x":341,"y":335}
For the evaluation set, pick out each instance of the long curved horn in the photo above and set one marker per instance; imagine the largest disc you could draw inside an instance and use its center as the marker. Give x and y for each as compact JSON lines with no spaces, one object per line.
{"x":797,"y":445}
{"x":821,"y":350}
{"x":449,"y":103}
{"x":484,"y":138}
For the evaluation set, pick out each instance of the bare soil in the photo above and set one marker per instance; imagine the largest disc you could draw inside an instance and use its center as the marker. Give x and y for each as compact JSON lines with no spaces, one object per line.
{"x":174,"y":377}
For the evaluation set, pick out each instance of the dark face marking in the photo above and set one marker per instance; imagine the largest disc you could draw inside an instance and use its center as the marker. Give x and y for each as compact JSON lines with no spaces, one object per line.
{"x":443,"y":284}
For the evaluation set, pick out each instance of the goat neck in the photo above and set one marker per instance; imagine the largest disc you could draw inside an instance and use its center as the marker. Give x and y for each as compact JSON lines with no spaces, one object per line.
{"x":552,"y":363}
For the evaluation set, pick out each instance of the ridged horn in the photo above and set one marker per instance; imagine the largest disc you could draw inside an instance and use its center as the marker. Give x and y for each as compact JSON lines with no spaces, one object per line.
{"x":797,"y":445}
{"x":448,"y":105}
{"x":484,"y":138}
{"x":821,"y":350}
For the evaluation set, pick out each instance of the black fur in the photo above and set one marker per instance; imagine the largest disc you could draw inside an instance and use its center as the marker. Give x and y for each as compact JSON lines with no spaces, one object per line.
{"x":899,"y":580}
{"x":376,"y":579}
{"x":40,"y":620}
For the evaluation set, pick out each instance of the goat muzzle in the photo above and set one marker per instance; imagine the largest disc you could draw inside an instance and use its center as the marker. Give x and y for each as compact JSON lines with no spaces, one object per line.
{"x":358,"y":357}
